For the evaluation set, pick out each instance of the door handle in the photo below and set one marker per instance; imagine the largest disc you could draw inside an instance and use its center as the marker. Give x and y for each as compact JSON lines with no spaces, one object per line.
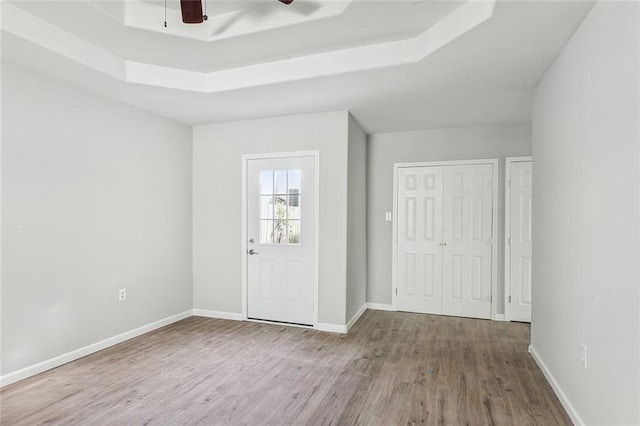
{"x":252,"y":252}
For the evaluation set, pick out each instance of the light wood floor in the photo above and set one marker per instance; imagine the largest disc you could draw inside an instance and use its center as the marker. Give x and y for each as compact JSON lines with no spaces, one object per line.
{"x":392,"y":368}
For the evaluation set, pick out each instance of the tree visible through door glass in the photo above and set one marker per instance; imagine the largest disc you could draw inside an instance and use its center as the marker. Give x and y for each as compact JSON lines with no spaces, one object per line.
{"x":280,"y":206}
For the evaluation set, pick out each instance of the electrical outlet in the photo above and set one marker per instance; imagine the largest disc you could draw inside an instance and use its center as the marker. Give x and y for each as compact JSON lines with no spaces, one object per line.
{"x":387,"y":216}
{"x":583,"y":354}
{"x":122,"y":295}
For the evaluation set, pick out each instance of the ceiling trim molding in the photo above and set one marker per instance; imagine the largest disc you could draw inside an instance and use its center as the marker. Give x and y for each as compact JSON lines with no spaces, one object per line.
{"x":22,"y":24}
{"x":381,"y":55}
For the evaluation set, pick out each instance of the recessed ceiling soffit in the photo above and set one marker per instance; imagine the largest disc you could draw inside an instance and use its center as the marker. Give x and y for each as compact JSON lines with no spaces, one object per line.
{"x":35,"y":29}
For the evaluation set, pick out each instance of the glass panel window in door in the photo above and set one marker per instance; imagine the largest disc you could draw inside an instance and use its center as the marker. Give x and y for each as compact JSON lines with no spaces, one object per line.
{"x":280,"y":203}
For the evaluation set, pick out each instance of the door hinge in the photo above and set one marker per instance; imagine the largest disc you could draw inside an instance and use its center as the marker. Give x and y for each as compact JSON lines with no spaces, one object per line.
{"x":509,"y":241}
{"x":509,"y":299}
{"x":396,"y":291}
{"x":491,"y":298}
{"x":509,"y":183}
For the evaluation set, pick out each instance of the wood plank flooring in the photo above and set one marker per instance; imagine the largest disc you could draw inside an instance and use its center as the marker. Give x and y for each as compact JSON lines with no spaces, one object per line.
{"x":391,"y":369}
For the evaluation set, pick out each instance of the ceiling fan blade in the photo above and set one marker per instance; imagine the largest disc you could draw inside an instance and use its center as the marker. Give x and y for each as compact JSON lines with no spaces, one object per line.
{"x":192,"y":11}
{"x":286,"y":1}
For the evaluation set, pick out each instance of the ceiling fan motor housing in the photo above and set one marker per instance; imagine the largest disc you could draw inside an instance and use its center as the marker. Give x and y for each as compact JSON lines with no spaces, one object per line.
{"x":191,"y":11}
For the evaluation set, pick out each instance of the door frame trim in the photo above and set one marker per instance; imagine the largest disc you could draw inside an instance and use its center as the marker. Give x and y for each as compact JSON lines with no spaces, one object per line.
{"x":495,"y":316}
{"x":316,"y":219}
{"x":508,"y":161}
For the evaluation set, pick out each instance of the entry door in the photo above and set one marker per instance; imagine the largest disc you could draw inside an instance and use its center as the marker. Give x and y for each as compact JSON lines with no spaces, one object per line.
{"x":520,"y":240}
{"x":280,"y":245}
{"x":419,"y":259}
{"x":467,"y":238}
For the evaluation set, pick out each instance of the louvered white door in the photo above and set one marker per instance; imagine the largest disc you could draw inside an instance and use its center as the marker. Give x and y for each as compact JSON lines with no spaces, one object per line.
{"x":520,"y":241}
{"x":419,"y":249}
{"x":467,"y":238}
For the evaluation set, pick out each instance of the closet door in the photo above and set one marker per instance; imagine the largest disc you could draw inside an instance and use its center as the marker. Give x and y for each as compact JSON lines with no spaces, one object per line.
{"x":519,"y":248}
{"x":467,"y":237}
{"x":419,"y":244}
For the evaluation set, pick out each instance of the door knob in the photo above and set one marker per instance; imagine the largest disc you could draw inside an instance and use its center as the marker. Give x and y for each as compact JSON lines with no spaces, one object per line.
{"x":252,"y":252}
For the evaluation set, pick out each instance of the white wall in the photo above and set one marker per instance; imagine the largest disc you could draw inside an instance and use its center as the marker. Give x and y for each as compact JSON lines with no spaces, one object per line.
{"x":96,"y":196}
{"x":356,"y":220}
{"x":586,"y":217}
{"x":463,"y":143}
{"x":217,"y":185}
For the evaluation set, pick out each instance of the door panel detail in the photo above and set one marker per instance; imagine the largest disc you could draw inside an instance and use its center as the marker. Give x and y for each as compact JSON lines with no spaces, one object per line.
{"x":429,"y":218}
{"x":428,"y":275}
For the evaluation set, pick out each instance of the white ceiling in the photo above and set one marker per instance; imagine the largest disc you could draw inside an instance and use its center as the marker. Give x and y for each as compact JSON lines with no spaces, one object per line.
{"x":396,"y":65}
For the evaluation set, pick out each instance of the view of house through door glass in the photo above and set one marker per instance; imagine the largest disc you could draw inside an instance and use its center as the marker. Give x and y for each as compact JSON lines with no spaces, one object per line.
{"x":280,"y":245}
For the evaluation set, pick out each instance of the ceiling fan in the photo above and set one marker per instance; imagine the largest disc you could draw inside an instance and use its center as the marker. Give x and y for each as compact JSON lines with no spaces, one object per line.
{"x":192,"y":11}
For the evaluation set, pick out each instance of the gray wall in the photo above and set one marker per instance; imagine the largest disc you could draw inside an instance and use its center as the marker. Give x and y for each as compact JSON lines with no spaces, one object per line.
{"x":217,"y":185}
{"x":96,"y":196}
{"x":586,"y":217}
{"x":463,"y":143}
{"x":356,"y":220}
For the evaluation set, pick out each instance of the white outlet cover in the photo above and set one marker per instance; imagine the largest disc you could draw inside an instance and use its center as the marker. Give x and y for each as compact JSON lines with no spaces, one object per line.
{"x":387,"y":216}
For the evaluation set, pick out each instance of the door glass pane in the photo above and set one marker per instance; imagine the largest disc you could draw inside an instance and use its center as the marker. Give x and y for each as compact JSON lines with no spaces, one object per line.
{"x":280,"y":207}
{"x":266,"y":207}
{"x":294,"y":181}
{"x":266,"y":231}
{"x":280,"y":182}
{"x":266,"y":182}
{"x":294,"y":232}
{"x":293,"y":211}
{"x":280,"y":231}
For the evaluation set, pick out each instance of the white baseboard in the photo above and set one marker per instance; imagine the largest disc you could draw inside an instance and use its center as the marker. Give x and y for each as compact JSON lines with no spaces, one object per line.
{"x":40,"y":367}
{"x":575,"y":417}
{"x":356,"y":317}
{"x":217,"y":314}
{"x":332,"y":328}
{"x":499,"y":317}
{"x":380,"y":307}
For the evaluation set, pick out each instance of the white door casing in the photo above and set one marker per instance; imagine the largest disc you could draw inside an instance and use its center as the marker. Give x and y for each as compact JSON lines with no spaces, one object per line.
{"x":467,"y":237}
{"x":518,"y":213}
{"x":280,"y":239}
{"x":444,"y":252}
{"x":420,"y":239}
